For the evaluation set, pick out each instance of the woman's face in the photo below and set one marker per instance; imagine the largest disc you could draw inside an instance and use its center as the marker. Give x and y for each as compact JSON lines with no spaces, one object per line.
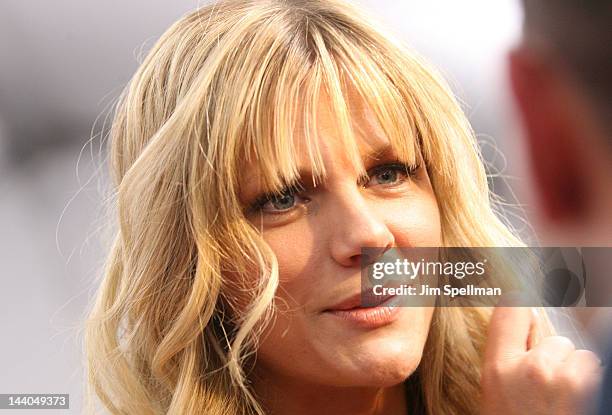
{"x":317,"y":235}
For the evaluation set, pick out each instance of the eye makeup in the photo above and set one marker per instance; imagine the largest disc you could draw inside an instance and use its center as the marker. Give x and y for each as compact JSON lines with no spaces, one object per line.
{"x":395,"y":167}
{"x":261,"y":200}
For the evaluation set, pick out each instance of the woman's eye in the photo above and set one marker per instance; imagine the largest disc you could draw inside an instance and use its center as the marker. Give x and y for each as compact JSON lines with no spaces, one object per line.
{"x":287,"y":199}
{"x":389,"y":174}
{"x":282,"y":202}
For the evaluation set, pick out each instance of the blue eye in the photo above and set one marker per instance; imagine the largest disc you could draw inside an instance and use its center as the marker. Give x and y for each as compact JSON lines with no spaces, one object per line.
{"x":392,"y":173}
{"x":387,"y":176}
{"x":283,"y":202}
{"x":277,"y":202}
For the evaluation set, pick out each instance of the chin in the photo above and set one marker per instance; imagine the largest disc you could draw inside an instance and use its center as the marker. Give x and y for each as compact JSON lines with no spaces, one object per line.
{"x":341,"y":355}
{"x":381,"y":363}
{"x":387,"y":375}
{"x":383,"y":375}
{"x":390,"y":365}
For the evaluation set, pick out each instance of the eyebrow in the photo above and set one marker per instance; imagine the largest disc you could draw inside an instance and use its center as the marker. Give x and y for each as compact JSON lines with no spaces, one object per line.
{"x":384,"y":150}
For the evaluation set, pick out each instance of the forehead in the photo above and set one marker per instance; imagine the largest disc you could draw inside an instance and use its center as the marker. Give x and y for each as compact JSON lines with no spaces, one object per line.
{"x":368,"y":137}
{"x":368,"y":132}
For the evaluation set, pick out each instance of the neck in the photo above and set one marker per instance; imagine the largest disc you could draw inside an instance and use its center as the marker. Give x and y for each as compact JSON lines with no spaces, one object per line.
{"x":282,"y":396}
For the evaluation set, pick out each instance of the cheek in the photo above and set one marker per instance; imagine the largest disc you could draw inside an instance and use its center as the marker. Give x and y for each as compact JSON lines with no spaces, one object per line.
{"x":296,"y":250}
{"x":283,"y":340}
{"x":292,"y":246}
{"x":417,"y":223}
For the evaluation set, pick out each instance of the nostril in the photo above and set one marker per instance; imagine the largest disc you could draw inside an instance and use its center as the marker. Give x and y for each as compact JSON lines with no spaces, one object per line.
{"x":370,"y":255}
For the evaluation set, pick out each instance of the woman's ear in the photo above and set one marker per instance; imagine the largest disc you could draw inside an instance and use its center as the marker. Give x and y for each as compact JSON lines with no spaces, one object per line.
{"x":554,"y":141}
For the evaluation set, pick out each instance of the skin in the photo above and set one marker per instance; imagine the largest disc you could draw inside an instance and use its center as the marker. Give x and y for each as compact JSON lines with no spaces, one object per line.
{"x":310,"y":361}
{"x":524,"y":372}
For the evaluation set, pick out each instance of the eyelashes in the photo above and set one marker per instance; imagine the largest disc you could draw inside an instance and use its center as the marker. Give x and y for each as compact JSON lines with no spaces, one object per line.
{"x":263,"y":199}
{"x":396,"y":166}
{"x":289,"y":193}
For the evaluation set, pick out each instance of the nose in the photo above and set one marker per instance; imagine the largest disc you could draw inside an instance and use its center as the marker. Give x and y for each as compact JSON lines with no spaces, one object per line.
{"x":357,"y":225}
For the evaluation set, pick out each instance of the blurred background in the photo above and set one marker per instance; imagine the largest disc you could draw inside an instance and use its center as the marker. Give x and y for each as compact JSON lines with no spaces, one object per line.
{"x":62,"y":66}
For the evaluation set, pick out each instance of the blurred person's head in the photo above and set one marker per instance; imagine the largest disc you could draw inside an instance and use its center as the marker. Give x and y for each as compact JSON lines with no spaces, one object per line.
{"x":561,"y":75}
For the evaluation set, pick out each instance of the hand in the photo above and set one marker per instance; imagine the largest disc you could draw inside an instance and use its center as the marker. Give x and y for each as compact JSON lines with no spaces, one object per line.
{"x":551,"y":377}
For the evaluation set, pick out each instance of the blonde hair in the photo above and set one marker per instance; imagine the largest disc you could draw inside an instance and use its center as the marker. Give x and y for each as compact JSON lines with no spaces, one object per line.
{"x":224,"y":84}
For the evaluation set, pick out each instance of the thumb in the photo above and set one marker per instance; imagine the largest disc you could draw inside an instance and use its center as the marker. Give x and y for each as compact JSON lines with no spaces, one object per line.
{"x":511,"y":329}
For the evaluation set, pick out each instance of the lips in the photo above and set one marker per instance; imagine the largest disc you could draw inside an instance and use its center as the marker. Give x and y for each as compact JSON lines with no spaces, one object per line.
{"x":356,"y":301}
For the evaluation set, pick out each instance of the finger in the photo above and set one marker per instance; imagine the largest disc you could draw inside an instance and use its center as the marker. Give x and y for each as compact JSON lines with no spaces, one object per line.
{"x":535,"y":333}
{"x":509,"y":330}
{"x":554,"y":349}
{"x":581,"y":373}
{"x":583,"y":361}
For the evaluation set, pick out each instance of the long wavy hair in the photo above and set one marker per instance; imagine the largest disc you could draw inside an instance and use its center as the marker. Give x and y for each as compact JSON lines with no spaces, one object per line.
{"x":225,"y":85}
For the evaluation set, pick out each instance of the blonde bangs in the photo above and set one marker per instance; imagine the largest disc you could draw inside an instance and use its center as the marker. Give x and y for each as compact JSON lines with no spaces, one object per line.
{"x":322,"y":63}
